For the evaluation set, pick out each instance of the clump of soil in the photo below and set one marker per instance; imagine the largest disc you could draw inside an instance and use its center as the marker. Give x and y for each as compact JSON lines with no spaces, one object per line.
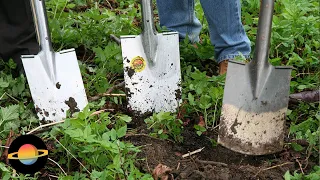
{"x":72,"y":104}
{"x":211,"y":163}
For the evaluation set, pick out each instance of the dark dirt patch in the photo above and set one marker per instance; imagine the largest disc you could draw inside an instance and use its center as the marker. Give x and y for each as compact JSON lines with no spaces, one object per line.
{"x":238,"y":166}
{"x":58,"y":85}
{"x":72,"y":104}
{"x":178,"y":94}
{"x":46,"y":113}
{"x":130,"y":71}
{"x":128,"y":92}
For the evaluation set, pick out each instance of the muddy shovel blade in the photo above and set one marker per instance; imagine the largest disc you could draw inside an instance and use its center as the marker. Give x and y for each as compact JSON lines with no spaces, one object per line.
{"x":254,"y":125}
{"x":54,"y":78}
{"x":152,"y":88}
{"x":52,"y":99}
{"x":255,"y":98}
{"x":151,"y":64}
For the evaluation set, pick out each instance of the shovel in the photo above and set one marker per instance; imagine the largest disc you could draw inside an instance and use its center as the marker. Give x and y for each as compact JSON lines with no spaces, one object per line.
{"x":255,"y":98}
{"x":151,"y":64}
{"x":54,"y":78}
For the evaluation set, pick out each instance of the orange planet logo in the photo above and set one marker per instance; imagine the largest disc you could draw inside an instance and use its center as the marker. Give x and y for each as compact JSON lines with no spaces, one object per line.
{"x":27,"y":154}
{"x":138,"y":64}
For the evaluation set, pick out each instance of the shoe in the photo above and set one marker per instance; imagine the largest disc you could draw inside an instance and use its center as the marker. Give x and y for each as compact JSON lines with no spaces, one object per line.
{"x":223,"y":66}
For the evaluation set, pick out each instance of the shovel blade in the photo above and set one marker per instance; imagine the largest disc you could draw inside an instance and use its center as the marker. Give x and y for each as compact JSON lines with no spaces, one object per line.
{"x":253,"y":124}
{"x":152,"y":87}
{"x":53,"y":99}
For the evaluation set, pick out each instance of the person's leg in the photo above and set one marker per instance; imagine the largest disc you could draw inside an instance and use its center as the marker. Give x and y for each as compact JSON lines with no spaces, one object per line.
{"x":178,"y":15}
{"x":17,"y":32}
{"x":226,"y":30}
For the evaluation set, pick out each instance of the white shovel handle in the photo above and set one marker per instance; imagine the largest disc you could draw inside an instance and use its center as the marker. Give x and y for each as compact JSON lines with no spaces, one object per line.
{"x":149,"y":33}
{"x":41,"y":24}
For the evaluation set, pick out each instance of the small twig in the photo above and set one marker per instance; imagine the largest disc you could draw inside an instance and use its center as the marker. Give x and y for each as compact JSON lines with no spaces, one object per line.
{"x":2,"y":96}
{"x":62,"y":121}
{"x":120,"y":85}
{"x":192,"y":153}
{"x":115,"y":38}
{"x":11,"y":97}
{"x":146,"y":135}
{"x":109,"y":5}
{"x":45,"y":125}
{"x":211,"y":163}
{"x":178,"y":166}
{"x":72,"y":155}
{"x":148,"y":165}
{"x":57,"y":165}
{"x":4,"y":154}
{"x":308,"y":156}
{"x":96,"y":97}
{"x":194,"y":162}
{"x":299,"y":74}
{"x":14,"y":173}
{"x":5,"y":147}
{"x":53,"y":176}
{"x":101,"y":111}
{"x":145,"y":145}
{"x":300,"y":166}
{"x":272,"y":167}
{"x":108,"y":93}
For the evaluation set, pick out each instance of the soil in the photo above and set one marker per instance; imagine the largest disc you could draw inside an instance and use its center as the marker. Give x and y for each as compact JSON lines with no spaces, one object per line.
{"x":213,"y":162}
{"x":72,"y":104}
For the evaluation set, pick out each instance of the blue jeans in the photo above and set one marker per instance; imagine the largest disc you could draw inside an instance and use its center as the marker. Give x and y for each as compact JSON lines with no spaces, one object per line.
{"x":224,"y":19}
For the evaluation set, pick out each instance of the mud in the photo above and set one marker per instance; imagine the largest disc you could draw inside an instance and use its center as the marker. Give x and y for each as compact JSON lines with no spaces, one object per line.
{"x":46,"y":113}
{"x":130,"y":71}
{"x":128,"y":92}
{"x":213,"y":162}
{"x":178,"y":94}
{"x":72,"y":104}
{"x":58,"y":85}
{"x":38,"y":110}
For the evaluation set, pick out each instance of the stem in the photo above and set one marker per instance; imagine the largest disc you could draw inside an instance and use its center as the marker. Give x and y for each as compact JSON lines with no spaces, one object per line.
{"x":214,"y":113}
{"x":206,"y":118}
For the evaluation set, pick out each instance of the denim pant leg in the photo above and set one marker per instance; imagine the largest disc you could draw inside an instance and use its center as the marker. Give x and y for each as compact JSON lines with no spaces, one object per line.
{"x":179,"y":15}
{"x":226,"y":30}
{"x":224,"y":18}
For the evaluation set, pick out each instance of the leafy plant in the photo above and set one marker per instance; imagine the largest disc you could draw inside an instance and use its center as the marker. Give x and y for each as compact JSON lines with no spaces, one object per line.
{"x":204,"y":95}
{"x":314,"y":175}
{"x":165,"y":125}
{"x":96,"y":141}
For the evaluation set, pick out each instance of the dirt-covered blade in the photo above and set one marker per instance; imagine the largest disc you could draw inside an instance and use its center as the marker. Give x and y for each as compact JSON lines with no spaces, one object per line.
{"x":52,"y":99}
{"x":252,"y":124}
{"x":54,"y":78}
{"x":151,"y":64}
{"x":152,"y":88}
{"x":255,"y":98}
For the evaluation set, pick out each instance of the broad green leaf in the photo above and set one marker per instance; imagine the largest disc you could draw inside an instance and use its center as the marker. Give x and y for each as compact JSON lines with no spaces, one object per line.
{"x":122,"y":131}
{"x":287,"y":176}
{"x":10,"y":113}
{"x":3,"y":84}
{"x":191,"y":99}
{"x":87,"y":131}
{"x":106,"y":136}
{"x":125,"y":118}
{"x":113,"y":134}
{"x":297,"y":147}
{"x":3,"y":167}
{"x":74,"y":133}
